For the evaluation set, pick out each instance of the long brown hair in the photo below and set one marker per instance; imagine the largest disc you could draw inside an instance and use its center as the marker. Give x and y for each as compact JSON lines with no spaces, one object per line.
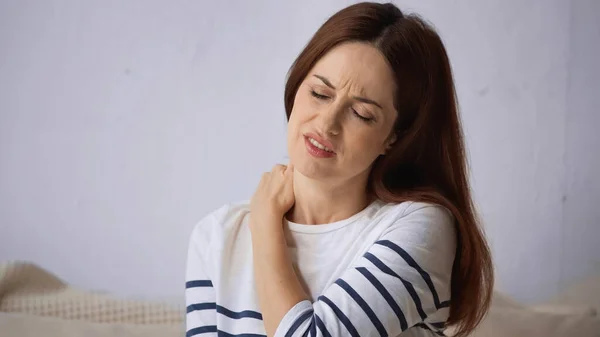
{"x":427,"y":162}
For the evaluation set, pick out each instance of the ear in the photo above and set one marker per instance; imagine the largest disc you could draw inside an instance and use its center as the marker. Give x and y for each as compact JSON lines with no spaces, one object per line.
{"x":389,"y":142}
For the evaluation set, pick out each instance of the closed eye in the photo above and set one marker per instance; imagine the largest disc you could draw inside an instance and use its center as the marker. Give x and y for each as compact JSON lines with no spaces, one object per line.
{"x":318,"y":96}
{"x":363,"y":118}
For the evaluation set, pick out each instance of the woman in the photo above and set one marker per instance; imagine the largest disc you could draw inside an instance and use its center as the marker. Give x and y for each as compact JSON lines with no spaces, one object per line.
{"x":370,"y":230}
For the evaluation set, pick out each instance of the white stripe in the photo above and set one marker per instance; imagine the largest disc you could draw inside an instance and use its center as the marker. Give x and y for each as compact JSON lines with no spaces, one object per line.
{"x":199,"y":295}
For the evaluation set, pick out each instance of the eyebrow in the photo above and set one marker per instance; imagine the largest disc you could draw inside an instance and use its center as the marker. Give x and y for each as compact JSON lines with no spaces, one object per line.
{"x":361,"y":99}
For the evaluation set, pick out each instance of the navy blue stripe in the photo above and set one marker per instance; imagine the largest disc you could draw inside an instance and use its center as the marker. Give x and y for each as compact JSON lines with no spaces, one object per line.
{"x":409,"y":287}
{"x":445,"y":304}
{"x":227,"y":334}
{"x":322,"y":326}
{"x":201,"y":330}
{"x":201,"y":306}
{"x":237,"y":315}
{"x":424,"y":326}
{"x":364,"y":305}
{"x":298,"y":322}
{"x":388,"y":297}
{"x":313,"y":326}
{"x":224,"y":311}
{"x":411,"y":262}
{"x":198,"y":283}
{"x":340,"y":315}
{"x":438,"y":325}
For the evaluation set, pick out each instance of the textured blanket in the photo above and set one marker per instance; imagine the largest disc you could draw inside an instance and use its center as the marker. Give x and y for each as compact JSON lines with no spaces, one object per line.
{"x":27,"y":288}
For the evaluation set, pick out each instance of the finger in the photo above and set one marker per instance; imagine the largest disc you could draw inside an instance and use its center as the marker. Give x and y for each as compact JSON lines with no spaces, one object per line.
{"x":279,"y":168}
{"x":289,"y":177}
{"x":289,"y":170}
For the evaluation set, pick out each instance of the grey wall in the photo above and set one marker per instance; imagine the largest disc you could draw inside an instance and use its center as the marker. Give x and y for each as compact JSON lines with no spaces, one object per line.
{"x":122,"y":123}
{"x":581,"y":223}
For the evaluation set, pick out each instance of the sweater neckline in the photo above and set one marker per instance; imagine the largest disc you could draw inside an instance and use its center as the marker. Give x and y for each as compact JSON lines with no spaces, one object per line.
{"x":323,"y":228}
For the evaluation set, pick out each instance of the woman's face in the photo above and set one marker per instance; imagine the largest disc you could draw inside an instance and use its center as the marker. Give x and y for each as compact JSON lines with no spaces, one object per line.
{"x":343,"y":114}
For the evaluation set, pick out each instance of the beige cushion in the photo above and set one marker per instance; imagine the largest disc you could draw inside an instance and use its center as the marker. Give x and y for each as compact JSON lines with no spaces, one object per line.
{"x":13,"y":324}
{"x":81,"y":305}
{"x":584,"y":293}
{"x":507,"y":318}
{"x":504,"y":322}
{"x":28,"y":289}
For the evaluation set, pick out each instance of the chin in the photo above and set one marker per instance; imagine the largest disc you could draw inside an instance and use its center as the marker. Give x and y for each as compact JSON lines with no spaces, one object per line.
{"x":313,"y":168}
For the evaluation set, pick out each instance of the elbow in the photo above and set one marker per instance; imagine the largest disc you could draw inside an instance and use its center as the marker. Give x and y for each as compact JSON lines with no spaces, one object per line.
{"x":305,"y":325}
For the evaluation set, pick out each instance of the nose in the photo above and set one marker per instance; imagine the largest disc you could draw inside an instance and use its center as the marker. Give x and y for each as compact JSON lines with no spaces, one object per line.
{"x":330,"y":120}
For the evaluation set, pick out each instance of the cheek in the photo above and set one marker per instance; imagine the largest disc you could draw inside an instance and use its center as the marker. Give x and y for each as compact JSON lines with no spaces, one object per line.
{"x":301,"y":113}
{"x":302,"y":105}
{"x":365,"y":146}
{"x":294,"y":127}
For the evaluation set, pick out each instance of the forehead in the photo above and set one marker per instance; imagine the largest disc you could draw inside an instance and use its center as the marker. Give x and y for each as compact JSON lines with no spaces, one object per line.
{"x":361,"y":67}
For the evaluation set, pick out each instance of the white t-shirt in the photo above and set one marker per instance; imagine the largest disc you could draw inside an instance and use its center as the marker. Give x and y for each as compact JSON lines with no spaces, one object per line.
{"x":384,"y":271}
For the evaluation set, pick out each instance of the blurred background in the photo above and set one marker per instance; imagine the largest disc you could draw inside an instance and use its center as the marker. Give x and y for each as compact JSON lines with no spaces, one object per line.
{"x":123,"y":123}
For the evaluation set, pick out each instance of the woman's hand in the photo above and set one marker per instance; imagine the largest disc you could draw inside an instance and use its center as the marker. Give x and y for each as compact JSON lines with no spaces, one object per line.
{"x":273,"y":198}
{"x":277,"y":284}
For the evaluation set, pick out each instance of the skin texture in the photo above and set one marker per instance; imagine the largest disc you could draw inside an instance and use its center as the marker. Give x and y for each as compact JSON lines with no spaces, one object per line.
{"x":346,"y":101}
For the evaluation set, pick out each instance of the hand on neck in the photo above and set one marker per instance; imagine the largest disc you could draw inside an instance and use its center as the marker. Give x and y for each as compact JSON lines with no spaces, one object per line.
{"x":322,"y":202}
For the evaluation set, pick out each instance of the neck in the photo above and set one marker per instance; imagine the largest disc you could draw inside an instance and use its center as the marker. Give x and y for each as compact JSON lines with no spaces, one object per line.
{"x":320,"y":203}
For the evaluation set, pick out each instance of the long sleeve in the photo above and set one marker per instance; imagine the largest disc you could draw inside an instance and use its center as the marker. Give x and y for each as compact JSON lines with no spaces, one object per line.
{"x":201,"y":315}
{"x":402,"y":281}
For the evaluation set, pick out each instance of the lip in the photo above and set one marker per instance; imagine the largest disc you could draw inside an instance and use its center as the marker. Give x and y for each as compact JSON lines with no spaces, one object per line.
{"x":315,"y":151}
{"x":321,"y":140}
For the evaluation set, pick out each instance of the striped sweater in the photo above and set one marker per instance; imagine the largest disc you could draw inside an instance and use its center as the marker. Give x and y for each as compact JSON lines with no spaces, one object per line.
{"x":383,"y":272}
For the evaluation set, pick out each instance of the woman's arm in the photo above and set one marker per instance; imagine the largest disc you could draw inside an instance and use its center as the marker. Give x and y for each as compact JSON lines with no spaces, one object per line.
{"x":277,"y":284}
{"x":401,"y":282}
{"x":201,"y":314}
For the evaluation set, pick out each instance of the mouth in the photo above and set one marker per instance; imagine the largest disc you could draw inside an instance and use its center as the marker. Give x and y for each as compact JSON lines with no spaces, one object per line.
{"x":319,"y":145}
{"x":320,"y":142}
{"x":316,"y":148}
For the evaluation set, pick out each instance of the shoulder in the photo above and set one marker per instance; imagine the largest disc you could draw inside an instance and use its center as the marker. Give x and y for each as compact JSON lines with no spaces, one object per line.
{"x":214,"y":224}
{"x":419,"y":211}
{"x":427,"y":223}
{"x":434,"y":213}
